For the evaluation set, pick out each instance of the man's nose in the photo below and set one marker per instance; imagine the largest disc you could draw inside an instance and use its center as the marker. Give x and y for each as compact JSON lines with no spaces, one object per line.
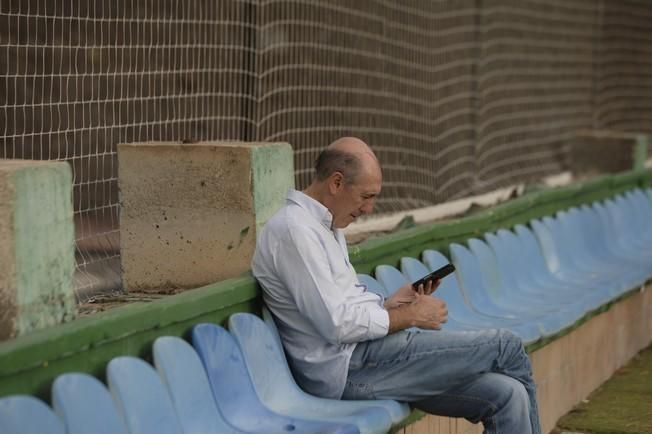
{"x":368,"y":207}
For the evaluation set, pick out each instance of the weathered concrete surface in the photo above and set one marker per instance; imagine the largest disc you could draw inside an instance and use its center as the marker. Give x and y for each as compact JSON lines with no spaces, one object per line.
{"x":37,"y":258}
{"x":190,"y":212}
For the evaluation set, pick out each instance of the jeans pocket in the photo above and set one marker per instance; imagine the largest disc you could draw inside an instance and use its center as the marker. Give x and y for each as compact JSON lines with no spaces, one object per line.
{"x":354,"y":390}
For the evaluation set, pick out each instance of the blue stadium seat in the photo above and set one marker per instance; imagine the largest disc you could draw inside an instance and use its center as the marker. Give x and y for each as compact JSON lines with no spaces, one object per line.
{"x":234,"y":392}
{"x":587,"y":251}
{"x":542,"y":275}
{"x":532,"y":276}
{"x":550,"y":319}
{"x":21,"y":414}
{"x":390,"y":277}
{"x":460,"y":306}
{"x":84,"y":404}
{"x":279,"y":392}
{"x":373,"y":285}
{"x":507,"y":256}
{"x":141,"y":397}
{"x":185,"y":379}
{"x":560,"y":262}
{"x":472,"y":286}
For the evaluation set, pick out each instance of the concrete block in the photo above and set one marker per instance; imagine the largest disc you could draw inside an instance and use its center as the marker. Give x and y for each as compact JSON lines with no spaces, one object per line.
{"x":37,"y":253}
{"x":190,"y":212}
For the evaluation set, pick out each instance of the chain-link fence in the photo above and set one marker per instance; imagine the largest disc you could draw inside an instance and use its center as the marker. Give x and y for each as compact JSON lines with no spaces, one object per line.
{"x":455,"y":96}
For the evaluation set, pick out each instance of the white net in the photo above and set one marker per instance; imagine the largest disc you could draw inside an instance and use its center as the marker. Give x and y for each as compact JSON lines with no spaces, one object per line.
{"x":456,"y":96}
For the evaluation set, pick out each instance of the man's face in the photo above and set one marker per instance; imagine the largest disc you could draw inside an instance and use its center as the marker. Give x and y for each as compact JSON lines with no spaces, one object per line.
{"x":355,"y":199}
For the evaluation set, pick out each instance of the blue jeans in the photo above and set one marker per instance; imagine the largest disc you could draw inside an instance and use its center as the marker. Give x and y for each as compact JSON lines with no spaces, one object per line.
{"x":483,"y":376}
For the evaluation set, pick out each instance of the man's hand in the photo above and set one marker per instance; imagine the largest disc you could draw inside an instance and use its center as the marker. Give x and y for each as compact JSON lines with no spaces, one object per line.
{"x":418,"y":309}
{"x":406,"y":294}
{"x":429,"y":312}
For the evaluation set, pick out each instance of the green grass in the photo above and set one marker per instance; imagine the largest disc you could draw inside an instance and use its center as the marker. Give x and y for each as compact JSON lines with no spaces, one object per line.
{"x":623,"y":405}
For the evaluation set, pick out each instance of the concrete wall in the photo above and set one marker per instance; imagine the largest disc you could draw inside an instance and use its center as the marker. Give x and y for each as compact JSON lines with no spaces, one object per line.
{"x":190,"y":212}
{"x":37,"y":259}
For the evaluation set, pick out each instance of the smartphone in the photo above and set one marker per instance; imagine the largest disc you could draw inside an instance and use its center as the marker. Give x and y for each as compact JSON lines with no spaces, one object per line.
{"x":435,"y":275}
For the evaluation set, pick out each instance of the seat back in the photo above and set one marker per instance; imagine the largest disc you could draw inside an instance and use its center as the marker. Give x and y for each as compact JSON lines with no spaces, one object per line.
{"x":186,"y":381}
{"x":548,"y":246}
{"x":141,"y":397}
{"x":373,"y":285}
{"x":390,"y":278}
{"x":234,"y":392}
{"x":22,"y":414}
{"x":449,"y":289}
{"x":85,"y":405}
{"x":489,"y":269}
{"x":264,"y":360}
{"x":470,"y":280}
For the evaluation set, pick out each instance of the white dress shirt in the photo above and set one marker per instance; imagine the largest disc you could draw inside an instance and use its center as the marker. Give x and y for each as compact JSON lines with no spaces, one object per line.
{"x":320,"y":307}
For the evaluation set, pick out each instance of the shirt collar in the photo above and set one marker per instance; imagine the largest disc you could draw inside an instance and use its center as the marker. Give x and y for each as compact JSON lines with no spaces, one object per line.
{"x":314,"y":208}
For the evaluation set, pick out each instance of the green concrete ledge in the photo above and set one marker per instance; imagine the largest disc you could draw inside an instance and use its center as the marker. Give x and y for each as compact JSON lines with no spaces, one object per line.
{"x":30,"y":363}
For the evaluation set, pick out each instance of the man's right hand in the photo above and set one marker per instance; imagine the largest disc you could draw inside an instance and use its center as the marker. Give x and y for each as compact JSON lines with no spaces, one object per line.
{"x":429,"y":312}
{"x":425,"y":311}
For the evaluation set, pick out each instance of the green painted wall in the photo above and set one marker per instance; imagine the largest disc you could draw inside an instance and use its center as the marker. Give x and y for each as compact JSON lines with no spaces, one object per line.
{"x":272,"y":167}
{"x":29,"y":364}
{"x":45,"y":247}
{"x":37,"y":253}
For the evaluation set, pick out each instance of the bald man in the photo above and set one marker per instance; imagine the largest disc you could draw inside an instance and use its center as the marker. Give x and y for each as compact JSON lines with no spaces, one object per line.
{"x":343,"y":341}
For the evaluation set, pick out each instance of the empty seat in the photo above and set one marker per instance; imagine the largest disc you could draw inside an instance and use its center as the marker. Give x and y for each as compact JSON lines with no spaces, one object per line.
{"x":84,"y":404}
{"x":141,"y":397}
{"x":234,"y":392}
{"x":185,"y":379}
{"x":373,"y":285}
{"x":21,"y":414}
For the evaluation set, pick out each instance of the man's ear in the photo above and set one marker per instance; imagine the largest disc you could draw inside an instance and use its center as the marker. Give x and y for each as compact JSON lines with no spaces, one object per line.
{"x":335,"y":182}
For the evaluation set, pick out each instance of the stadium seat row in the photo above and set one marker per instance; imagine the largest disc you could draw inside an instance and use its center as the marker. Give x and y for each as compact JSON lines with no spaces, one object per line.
{"x":535,"y":281}
{"x":237,"y":382}
{"x":539,"y":280}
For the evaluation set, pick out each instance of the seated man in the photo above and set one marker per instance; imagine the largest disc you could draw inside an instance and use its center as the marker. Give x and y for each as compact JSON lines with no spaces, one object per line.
{"x":345,"y":342}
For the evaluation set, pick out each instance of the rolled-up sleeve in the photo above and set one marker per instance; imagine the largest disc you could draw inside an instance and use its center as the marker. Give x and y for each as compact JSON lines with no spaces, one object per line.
{"x":304,"y":269}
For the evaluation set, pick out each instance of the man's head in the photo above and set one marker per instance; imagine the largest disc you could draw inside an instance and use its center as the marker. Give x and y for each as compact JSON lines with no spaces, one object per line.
{"x":347,"y":180}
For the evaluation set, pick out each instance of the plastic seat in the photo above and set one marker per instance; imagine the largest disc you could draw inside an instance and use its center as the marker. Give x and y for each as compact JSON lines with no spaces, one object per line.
{"x":551,"y":319}
{"x":619,"y":244}
{"x":533,"y":277}
{"x":235,"y":394}
{"x":511,"y":265}
{"x":185,"y":379}
{"x":22,"y":414}
{"x":84,"y":404}
{"x":390,"y":277}
{"x":373,"y":285}
{"x":563,"y":266}
{"x":141,"y":397}
{"x":279,"y":392}
{"x":471,"y":284}
{"x":593,"y":254}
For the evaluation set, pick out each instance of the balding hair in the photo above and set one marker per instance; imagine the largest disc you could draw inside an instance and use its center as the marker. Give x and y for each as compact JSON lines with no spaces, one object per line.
{"x":332,"y":160}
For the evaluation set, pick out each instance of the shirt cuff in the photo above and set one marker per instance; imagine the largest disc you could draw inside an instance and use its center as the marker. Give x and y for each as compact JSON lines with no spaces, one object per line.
{"x":378,"y":323}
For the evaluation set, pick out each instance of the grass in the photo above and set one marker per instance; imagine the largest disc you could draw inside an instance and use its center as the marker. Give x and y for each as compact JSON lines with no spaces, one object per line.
{"x":623,"y":405}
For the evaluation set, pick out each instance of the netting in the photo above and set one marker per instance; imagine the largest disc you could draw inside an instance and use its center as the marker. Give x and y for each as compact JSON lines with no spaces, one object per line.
{"x":456,"y":96}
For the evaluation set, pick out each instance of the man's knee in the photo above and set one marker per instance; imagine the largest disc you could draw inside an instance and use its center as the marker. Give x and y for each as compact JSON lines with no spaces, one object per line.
{"x":510,"y":393}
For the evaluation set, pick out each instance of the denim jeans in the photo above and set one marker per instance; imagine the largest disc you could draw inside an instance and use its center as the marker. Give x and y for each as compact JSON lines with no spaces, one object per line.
{"x":483,"y":376}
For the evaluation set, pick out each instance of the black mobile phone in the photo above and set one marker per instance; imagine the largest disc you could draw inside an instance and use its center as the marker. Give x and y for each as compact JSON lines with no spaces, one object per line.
{"x":435,"y":275}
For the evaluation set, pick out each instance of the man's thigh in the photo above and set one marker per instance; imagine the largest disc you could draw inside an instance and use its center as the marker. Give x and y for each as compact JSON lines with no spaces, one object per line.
{"x":416,"y":365}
